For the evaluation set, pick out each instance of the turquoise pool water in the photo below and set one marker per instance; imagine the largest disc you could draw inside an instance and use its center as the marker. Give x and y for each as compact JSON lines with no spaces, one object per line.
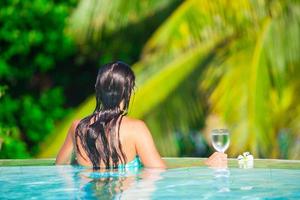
{"x":193,"y":182}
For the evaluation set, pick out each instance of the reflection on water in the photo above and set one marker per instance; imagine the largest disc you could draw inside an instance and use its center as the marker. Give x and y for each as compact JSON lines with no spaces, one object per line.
{"x":221,"y":177}
{"x":108,"y":187}
{"x":153,"y":183}
{"x":114,"y":184}
{"x":69,"y":182}
{"x":192,"y":183}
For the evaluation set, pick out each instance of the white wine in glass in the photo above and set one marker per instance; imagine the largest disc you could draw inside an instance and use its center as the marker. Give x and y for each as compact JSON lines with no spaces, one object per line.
{"x":220,"y":139}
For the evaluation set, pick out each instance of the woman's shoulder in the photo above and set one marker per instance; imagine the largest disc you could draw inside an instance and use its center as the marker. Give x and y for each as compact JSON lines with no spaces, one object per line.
{"x":75,"y":123}
{"x":74,"y":126}
{"x":134,"y":126}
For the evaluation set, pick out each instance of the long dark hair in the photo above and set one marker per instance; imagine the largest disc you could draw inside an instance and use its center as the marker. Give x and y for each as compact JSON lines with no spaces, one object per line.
{"x":99,"y":132}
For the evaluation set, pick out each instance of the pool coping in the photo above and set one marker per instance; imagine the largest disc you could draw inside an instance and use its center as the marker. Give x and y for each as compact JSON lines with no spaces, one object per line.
{"x":172,"y":162}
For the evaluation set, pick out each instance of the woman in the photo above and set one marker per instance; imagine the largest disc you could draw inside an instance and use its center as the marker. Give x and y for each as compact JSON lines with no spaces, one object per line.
{"x":109,"y":139}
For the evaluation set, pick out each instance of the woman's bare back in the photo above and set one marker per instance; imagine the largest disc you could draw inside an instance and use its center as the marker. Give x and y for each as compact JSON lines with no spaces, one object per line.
{"x":135,"y":138}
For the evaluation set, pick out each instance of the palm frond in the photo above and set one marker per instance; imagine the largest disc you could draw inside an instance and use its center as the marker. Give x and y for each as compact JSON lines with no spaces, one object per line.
{"x":92,"y":18}
{"x":261,"y":94}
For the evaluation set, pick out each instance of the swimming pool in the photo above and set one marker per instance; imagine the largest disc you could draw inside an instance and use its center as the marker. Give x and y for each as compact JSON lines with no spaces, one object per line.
{"x":187,"y":179}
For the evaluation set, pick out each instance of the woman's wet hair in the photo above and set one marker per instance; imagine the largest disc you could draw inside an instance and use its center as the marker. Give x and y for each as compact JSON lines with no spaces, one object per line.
{"x":98,"y":133}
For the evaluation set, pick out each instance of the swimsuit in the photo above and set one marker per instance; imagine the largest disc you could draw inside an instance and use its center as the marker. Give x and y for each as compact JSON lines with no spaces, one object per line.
{"x":131,"y":168}
{"x":135,"y":163}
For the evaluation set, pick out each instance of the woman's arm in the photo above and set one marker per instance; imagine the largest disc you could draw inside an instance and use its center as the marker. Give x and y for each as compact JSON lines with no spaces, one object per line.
{"x":146,"y":149}
{"x":65,"y":153}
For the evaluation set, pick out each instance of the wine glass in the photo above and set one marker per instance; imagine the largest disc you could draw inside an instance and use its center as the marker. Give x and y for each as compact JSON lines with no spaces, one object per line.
{"x":220,"y":139}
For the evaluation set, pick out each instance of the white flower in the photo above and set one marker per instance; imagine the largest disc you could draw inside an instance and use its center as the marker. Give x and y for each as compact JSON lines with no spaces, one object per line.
{"x":245,"y":154}
{"x":245,"y":160}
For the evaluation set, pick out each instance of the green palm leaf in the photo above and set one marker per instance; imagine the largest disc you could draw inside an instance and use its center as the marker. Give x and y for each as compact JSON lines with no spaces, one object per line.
{"x":261,"y":96}
{"x":93,"y":18}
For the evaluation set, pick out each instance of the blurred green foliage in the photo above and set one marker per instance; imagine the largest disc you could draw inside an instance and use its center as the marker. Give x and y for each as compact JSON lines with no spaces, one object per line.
{"x":44,"y":74}
{"x":199,"y":64}
{"x":209,"y":64}
{"x":32,"y":44}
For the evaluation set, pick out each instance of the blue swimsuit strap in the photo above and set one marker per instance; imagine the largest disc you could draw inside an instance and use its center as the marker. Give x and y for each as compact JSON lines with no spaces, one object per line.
{"x":131,"y":168}
{"x":135,"y":163}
